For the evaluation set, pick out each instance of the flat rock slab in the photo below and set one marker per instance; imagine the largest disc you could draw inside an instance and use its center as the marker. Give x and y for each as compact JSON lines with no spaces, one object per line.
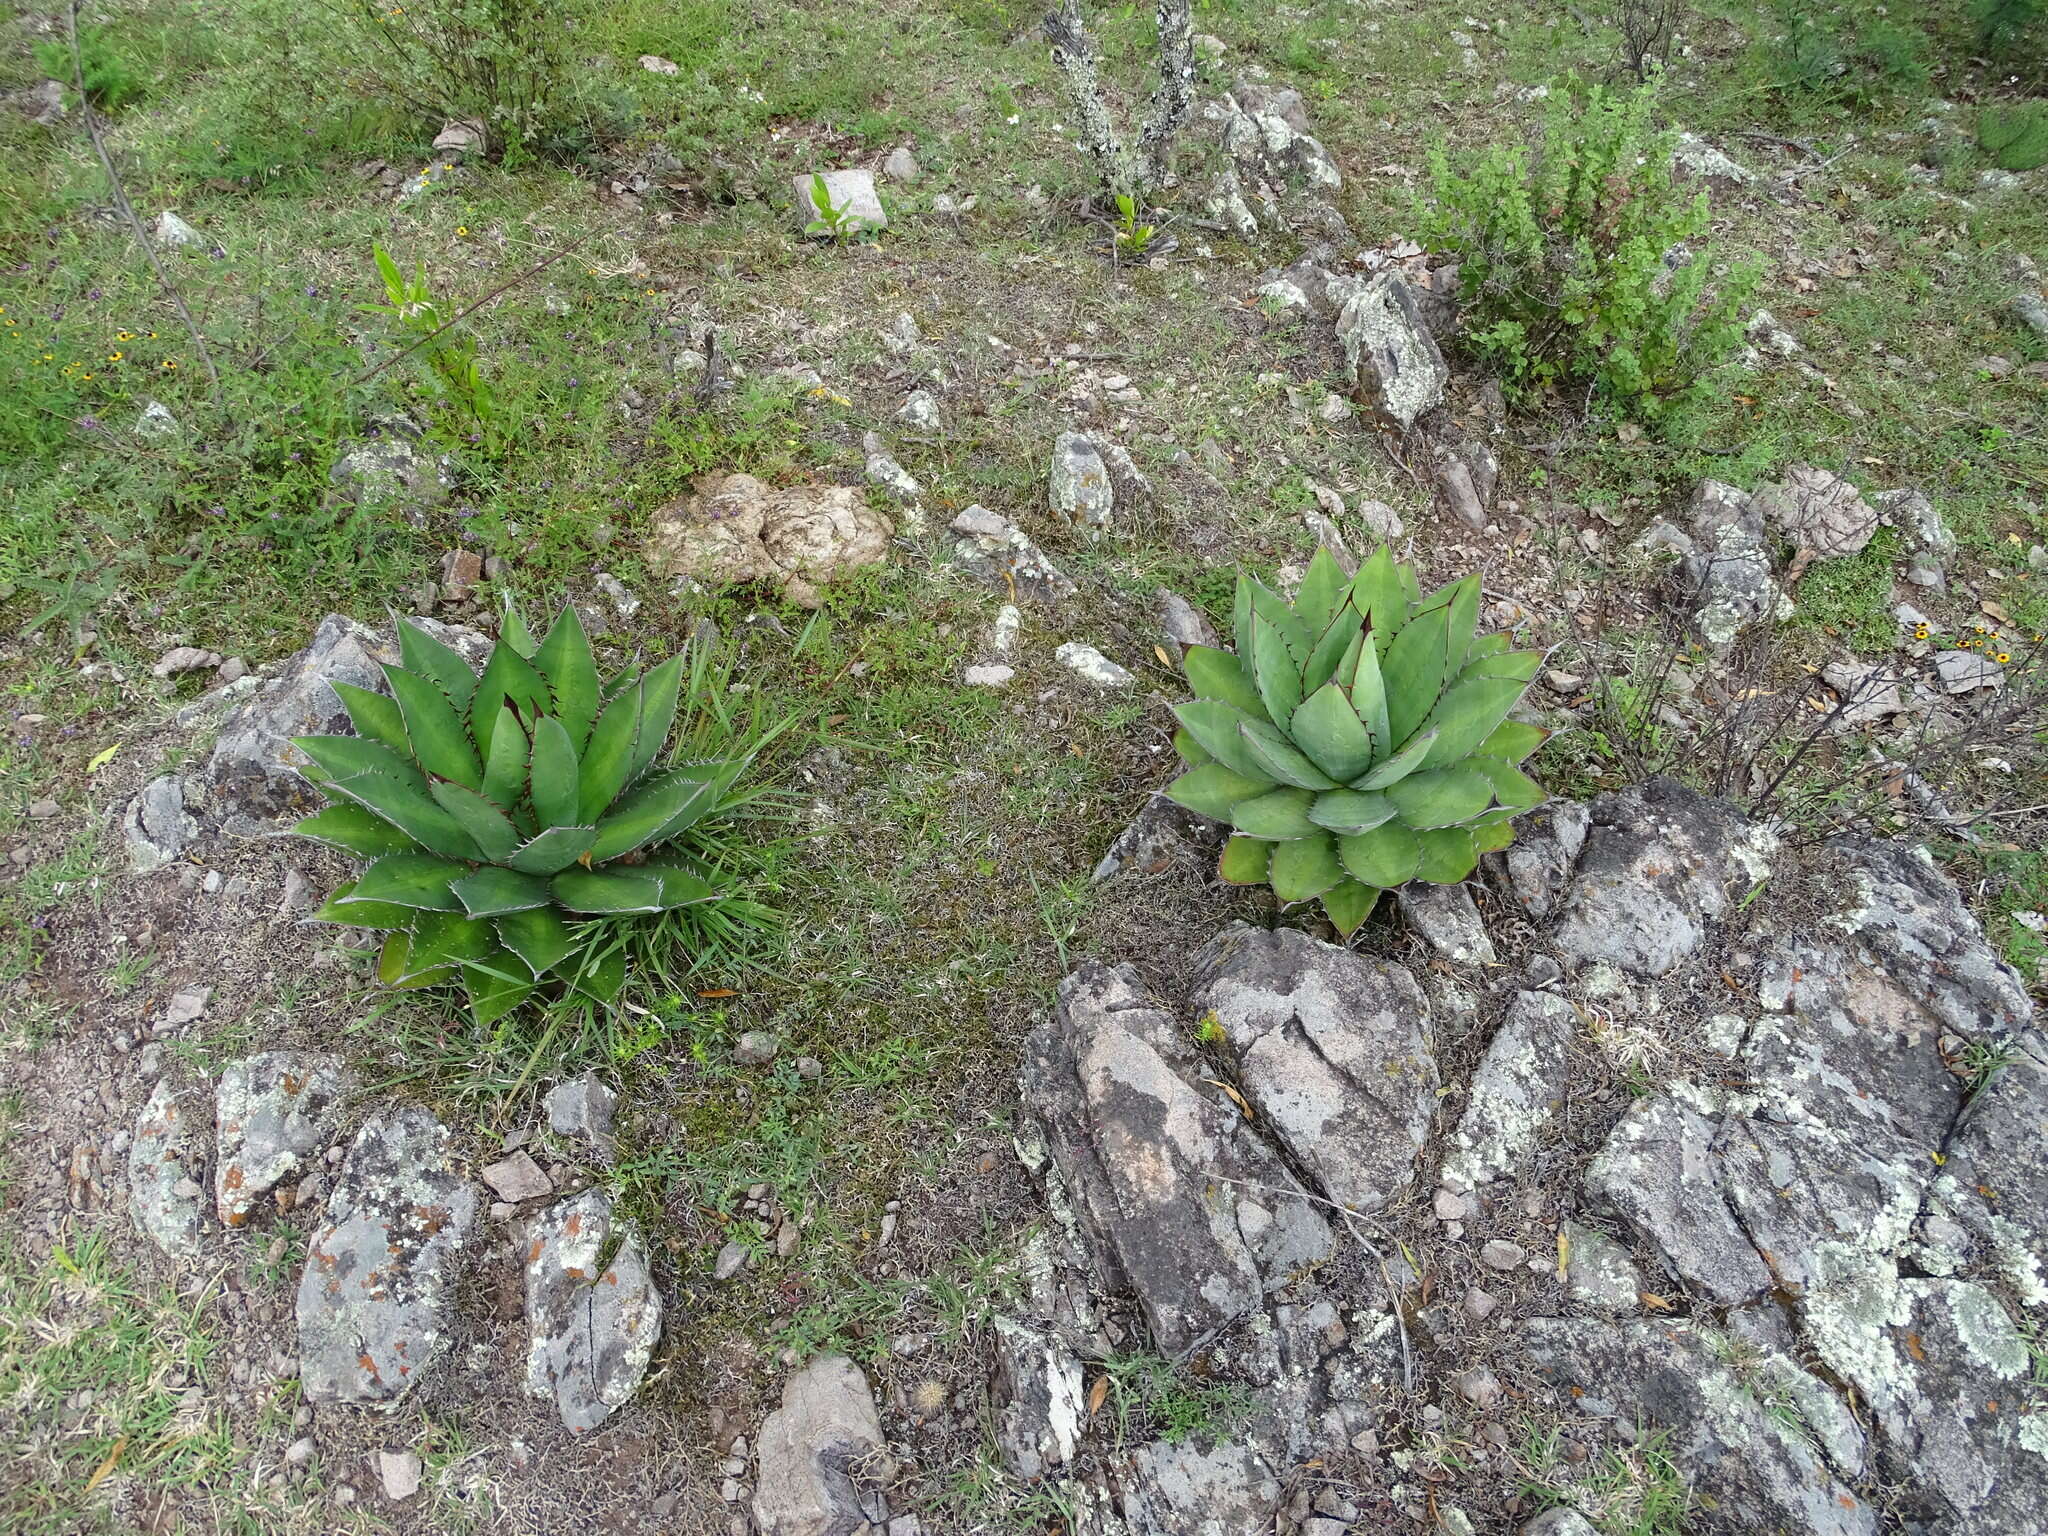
{"x":1518,"y":1087}
{"x":591,"y":1308}
{"x":851,"y":192}
{"x":1334,"y":1053}
{"x":274,"y":1112}
{"x":167,"y":1167}
{"x":377,"y":1291}
{"x":1177,"y":1196}
{"x":821,"y":1453}
{"x":1190,"y":1489}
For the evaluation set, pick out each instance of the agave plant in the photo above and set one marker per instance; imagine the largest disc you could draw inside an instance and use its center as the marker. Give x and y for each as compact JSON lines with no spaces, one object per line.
{"x":505,"y":813}
{"x":1359,"y":738}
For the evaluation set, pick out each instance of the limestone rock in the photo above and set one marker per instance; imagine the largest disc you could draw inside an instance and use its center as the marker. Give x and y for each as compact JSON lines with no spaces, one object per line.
{"x":1043,"y":1414}
{"x":820,"y":1454}
{"x":1598,"y":1272}
{"x":1162,"y":834}
{"x":591,"y":1307}
{"x":274,"y":1113}
{"x":582,"y":1108}
{"x":170,"y":230}
{"x":1659,"y":863}
{"x":377,"y":1295}
{"x":156,"y":826}
{"x":1819,"y":512}
{"x":1177,"y":1197}
{"x":1447,"y":921}
{"x":1968,"y":671}
{"x":167,"y":1169}
{"x":1079,"y":489}
{"x":1519,"y":1084}
{"x":996,"y":551}
{"x":734,"y":528}
{"x":1192,"y":1490}
{"x":1091,"y":666}
{"x":1694,"y":157}
{"x":1333,"y":1052}
{"x":1727,"y":583}
{"x":392,"y":468}
{"x":851,"y":192}
{"x":1391,"y":358}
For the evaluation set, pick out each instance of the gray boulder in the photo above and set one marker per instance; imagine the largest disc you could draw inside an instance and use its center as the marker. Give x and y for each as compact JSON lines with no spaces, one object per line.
{"x":1079,"y":489}
{"x":1726,"y":581}
{"x":1189,"y":1489}
{"x":377,"y":1296}
{"x":1178,"y":1199}
{"x":1162,"y":835}
{"x":274,"y":1113}
{"x":1042,"y":1413}
{"x":1333,"y":1050}
{"x":1392,"y":361}
{"x":1820,"y":513}
{"x":591,"y":1307}
{"x":822,"y":1455}
{"x":156,"y":827}
{"x":997,"y":552}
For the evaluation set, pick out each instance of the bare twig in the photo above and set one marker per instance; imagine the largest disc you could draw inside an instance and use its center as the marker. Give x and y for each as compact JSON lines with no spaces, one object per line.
{"x":99,"y":144}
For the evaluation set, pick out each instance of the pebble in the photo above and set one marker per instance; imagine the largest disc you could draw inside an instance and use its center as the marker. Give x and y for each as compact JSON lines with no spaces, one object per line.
{"x":809,"y":1068}
{"x":300,"y":1452}
{"x":990,"y":676}
{"x":517,"y":1178}
{"x":1451,"y":1206}
{"x":1502,"y":1255}
{"x":1092,"y":665}
{"x":755,"y":1048}
{"x":732,"y":1258}
{"x":400,"y":1472}
{"x":1479,"y":1387}
{"x":42,"y":810}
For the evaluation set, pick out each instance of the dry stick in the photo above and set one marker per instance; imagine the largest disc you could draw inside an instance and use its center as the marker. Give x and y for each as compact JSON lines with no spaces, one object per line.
{"x":470,"y":309}
{"x":92,"y":128}
{"x":1407,"y":1359}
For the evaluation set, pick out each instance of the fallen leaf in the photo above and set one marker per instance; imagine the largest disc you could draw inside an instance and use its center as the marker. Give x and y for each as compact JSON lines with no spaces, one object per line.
{"x":719,"y":992}
{"x":113,"y":1458}
{"x":101,"y":759}
{"x":1164,"y":659}
{"x":1564,"y":1253}
{"x":1096,"y":1395}
{"x":1653,"y":1301}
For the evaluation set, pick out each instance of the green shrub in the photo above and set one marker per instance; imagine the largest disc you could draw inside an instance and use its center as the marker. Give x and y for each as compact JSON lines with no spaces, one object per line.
{"x":110,"y":84}
{"x":1359,"y":738}
{"x":2004,"y":25}
{"x":2015,"y":134}
{"x":513,"y":818}
{"x":1851,"y":55}
{"x":1562,"y":252}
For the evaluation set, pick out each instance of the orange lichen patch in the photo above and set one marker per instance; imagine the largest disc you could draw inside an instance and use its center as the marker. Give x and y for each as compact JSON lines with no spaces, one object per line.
{"x":231,"y":1176}
{"x":573,"y":1272}
{"x":1914,"y":1348}
{"x":533,"y":1252}
{"x":294,"y":1085}
{"x":574,"y":1224}
{"x":366,"y":1363}
{"x":1845,"y":1501}
{"x":611,"y":1277}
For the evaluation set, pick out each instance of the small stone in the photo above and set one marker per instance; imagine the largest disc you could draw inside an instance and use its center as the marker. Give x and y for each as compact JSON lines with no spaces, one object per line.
{"x":1502,"y":1255}
{"x":172,"y":230}
{"x":156,"y":421}
{"x":1480,"y":1304}
{"x":516,"y":1178}
{"x":809,"y":1068}
{"x":1451,"y":1206}
{"x":300,"y":1452}
{"x":42,"y":810}
{"x":655,"y":64}
{"x":582,"y":1107}
{"x":1092,"y":666}
{"x":987,"y":676}
{"x":460,"y":136}
{"x":851,"y":193}
{"x":901,"y":165}
{"x":617,"y":593}
{"x":182,"y":659}
{"x":732,"y":1258}
{"x":755,"y":1048}
{"x":400,"y":1472}
{"x":919,"y":411}
{"x":1479,"y":1387}
{"x":460,"y":571}
{"x":1967,"y":671}
{"x":233,"y":670}
{"x":1079,"y":488}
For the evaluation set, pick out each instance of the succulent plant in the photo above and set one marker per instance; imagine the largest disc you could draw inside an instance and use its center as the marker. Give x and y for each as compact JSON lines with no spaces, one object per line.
{"x":1359,"y":738}
{"x":506,"y":812}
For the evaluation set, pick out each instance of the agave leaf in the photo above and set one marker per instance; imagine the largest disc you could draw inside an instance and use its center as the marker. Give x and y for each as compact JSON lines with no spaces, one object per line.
{"x":1328,"y":729}
{"x":1305,"y":867}
{"x":1327,"y":659}
{"x":1219,"y":675}
{"x":539,"y":936}
{"x":1218,"y":727}
{"x":1400,"y":765}
{"x":1322,"y":592}
{"x":337,"y":908}
{"x":1349,"y":904}
{"x":374,"y":715}
{"x":1377,"y":593}
{"x":1485,"y":645}
{"x":1414,"y":671}
{"x":512,"y":630}
{"x":439,"y":743}
{"x":420,"y":652}
{"x":1387,"y":856}
{"x":391,"y":788}
{"x":1513,"y":740}
{"x":1369,"y":696}
{"x":1245,"y":861}
{"x":411,"y":880}
{"x":1351,"y":811}
{"x":1463,"y":622}
{"x":395,"y":967}
{"x":1278,"y":612}
{"x":1278,"y":758}
{"x":606,"y":892}
{"x":1442,"y":797}
{"x":663,"y":688}
{"x":494,"y":989}
{"x":1466,"y":715}
{"x":493,"y":892}
{"x":564,"y":659}
{"x":1280,"y":815}
{"x":508,"y":679}
{"x":1448,"y":855}
{"x":1409,"y":585}
{"x":1437,"y":602}
{"x":609,"y":756}
{"x":1191,"y":751}
{"x":553,"y":851}
{"x":343,"y":757}
{"x":1241,"y":611}
{"x":1276,"y":670}
{"x":1512,"y":787}
{"x":717,"y":777}
{"x":681,"y":885}
{"x":555,"y":784}
{"x":1212,"y":789}
{"x":505,"y":762}
{"x":650,"y":810}
{"x":1518,"y":665}
{"x":446,"y":938}
{"x":1494,"y":836}
{"x":350,"y":826}
{"x":488,"y":827}
{"x":601,"y":976}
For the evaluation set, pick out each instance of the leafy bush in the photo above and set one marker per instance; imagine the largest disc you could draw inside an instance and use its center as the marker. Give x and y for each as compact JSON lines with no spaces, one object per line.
{"x":512,"y":818}
{"x":1853,"y":55}
{"x":1359,"y":738}
{"x":1562,"y":258}
{"x":2015,"y":134}
{"x":2003,"y":25}
{"x":110,"y":84}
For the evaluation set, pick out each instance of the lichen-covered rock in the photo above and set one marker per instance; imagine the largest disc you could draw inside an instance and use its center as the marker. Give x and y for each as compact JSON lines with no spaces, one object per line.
{"x":377,"y":1294}
{"x":1080,"y":489}
{"x":581,"y":1107}
{"x":1189,"y":1489}
{"x":1994,"y":1181}
{"x":849,"y":193}
{"x":1163,"y":833}
{"x":156,"y":826}
{"x":822,"y":1455}
{"x":1333,"y":1050}
{"x":1041,"y":1413}
{"x":1540,"y":861}
{"x":1517,"y":1088}
{"x":393,"y":467}
{"x":1178,"y":1199}
{"x":167,"y":1167}
{"x":1446,"y":919}
{"x":996,"y":551}
{"x":1726,"y":581}
{"x":1598,"y":1273}
{"x":733,"y":529}
{"x":1819,"y":512}
{"x":1658,"y":1172}
{"x":591,"y":1307}
{"x":273,"y":1113}
{"x":1752,"y":1461}
{"x":1392,"y":361}
{"x":1659,"y":863}
{"x":1800,"y":1192}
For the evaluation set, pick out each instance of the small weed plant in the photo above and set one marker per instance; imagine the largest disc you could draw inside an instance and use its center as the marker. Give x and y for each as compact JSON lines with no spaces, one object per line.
{"x":837,"y":221}
{"x":110,"y":83}
{"x":1133,"y":238}
{"x":1359,"y":738}
{"x":513,"y":819}
{"x":1562,"y":259}
{"x":2015,"y":134}
{"x":450,"y":353}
